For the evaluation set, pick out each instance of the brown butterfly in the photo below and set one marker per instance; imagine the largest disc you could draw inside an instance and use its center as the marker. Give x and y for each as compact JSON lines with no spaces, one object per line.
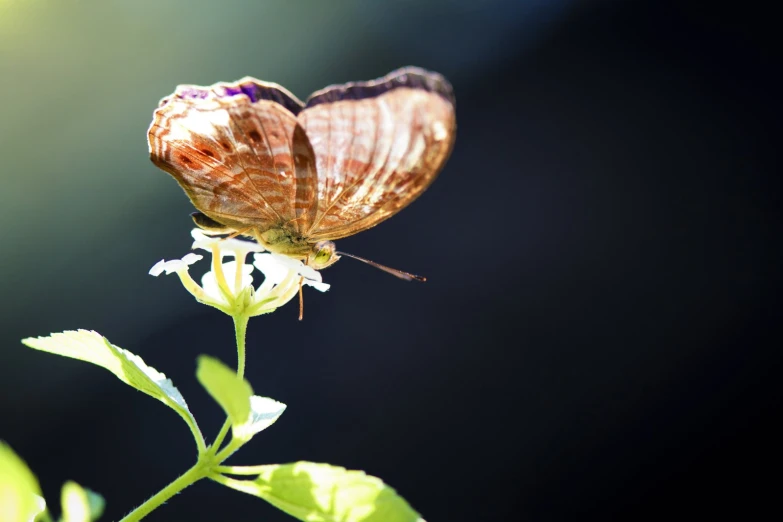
{"x":255,"y":160}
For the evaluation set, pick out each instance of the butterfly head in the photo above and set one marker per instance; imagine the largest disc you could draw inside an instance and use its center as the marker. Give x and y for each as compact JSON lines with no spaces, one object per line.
{"x":323,"y":254}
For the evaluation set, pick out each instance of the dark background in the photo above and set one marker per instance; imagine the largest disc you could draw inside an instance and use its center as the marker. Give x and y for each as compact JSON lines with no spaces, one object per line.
{"x":598,"y":338}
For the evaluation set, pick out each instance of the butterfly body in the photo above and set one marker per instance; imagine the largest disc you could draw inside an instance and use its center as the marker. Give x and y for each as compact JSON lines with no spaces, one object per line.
{"x":283,"y":241}
{"x":279,"y":239}
{"x":255,"y":160}
{"x":318,"y":255}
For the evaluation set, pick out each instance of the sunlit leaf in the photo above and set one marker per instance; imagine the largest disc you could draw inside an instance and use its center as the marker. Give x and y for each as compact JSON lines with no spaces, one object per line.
{"x":248,"y":413}
{"x":263,"y":413}
{"x":226,"y":387}
{"x":322,"y":493}
{"x":20,"y":494}
{"x":92,"y":347}
{"x":80,"y":504}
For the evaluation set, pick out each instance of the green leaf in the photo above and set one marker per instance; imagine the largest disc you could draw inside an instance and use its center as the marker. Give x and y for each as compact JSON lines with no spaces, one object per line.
{"x":226,"y":387}
{"x":248,"y":413}
{"x":322,"y":493}
{"x":20,"y":494}
{"x":263,"y":413}
{"x":92,"y":347}
{"x":80,"y":504}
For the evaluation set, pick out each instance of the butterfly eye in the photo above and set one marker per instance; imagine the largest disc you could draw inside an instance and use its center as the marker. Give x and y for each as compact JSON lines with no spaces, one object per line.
{"x":323,"y":254}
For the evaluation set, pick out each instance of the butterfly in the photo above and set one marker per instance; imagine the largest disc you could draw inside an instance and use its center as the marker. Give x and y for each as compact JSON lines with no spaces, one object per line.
{"x":255,"y":160}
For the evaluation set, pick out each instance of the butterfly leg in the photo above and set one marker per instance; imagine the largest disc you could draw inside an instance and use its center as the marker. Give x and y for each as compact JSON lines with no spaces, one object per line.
{"x":301,"y":299}
{"x":238,"y":233}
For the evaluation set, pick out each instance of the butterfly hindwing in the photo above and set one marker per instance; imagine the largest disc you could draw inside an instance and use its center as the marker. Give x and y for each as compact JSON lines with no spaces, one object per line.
{"x":378,"y":145}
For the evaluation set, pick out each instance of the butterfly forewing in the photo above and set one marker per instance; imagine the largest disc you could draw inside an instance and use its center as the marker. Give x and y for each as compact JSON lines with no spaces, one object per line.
{"x":378,"y":145}
{"x":230,"y":147}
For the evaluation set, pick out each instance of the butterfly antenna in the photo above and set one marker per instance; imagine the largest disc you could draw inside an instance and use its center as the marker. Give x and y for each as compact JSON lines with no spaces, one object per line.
{"x":301,"y":299}
{"x":393,"y":271}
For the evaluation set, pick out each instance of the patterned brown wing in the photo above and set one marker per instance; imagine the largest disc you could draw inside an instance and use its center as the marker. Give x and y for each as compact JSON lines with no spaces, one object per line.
{"x":378,"y":145}
{"x":230,"y":148}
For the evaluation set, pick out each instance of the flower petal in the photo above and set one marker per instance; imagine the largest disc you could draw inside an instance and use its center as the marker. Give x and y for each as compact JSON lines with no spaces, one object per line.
{"x":321,"y":287}
{"x":174,"y":265}
{"x":273,"y":271}
{"x":299,"y":267}
{"x":277,"y":267}
{"x":231,"y":247}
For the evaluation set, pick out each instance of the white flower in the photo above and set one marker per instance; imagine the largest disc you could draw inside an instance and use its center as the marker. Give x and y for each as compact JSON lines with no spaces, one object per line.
{"x":230,"y":289}
{"x":275,"y":268}
{"x":174,"y":265}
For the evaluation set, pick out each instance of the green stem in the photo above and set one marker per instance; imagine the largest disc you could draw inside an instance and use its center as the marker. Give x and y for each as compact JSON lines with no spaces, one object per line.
{"x":240,"y":470}
{"x":200,"y":443}
{"x":229,"y":450}
{"x":245,"y":486}
{"x":240,"y":330}
{"x":220,"y":437}
{"x":208,"y":458}
{"x":197,"y":472}
{"x":239,"y":485}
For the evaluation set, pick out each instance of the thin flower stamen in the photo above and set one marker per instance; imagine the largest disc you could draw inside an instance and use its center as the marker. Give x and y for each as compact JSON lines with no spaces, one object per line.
{"x":240,"y":259}
{"x":220,"y":276}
